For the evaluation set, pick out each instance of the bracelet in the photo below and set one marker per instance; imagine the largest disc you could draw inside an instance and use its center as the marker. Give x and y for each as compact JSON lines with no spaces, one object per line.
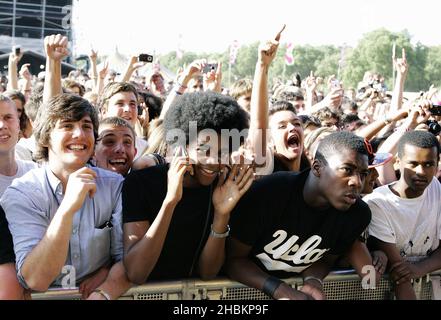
{"x":214,"y":234}
{"x":103,"y":293}
{"x":180,"y":89}
{"x":270,"y":285}
{"x":313,"y":278}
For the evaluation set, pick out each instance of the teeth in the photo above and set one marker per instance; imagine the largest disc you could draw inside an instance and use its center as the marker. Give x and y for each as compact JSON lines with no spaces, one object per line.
{"x":117,"y":161}
{"x":77,"y":147}
{"x":4,"y":137}
{"x":208,"y":171}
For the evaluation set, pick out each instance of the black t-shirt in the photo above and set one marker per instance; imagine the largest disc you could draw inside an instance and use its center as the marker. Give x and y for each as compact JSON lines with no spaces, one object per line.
{"x":286,"y":234}
{"x":6,"y":245}
{"x":280,"y":166}
{"x":142,"y":195}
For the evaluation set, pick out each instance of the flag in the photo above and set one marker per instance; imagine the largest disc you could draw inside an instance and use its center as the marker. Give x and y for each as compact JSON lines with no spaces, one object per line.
{"x":234,"y":48}
{"x":179,"y":50}
{"x":289,"y":58}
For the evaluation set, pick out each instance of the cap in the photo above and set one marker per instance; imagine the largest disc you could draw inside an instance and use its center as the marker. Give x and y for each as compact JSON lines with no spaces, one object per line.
{"x":380,"y":159}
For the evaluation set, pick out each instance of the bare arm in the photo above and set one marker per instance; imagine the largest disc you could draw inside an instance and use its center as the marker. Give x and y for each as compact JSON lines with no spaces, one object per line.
{"x":402,"y":68}
{"x":195,"y":67}
{"x":225,"y":197}
{"x":56,"y":50}
{"x":44,"y":263}
{"x":92,"y":57}
{"x":143,"y":241}
{"x":372,"y":129}
{"x":403,"y":289}
{"x":242,"y":269}
{"x":12,"y":71}
{"x":133,"y":65}
{"x":116,"y":283}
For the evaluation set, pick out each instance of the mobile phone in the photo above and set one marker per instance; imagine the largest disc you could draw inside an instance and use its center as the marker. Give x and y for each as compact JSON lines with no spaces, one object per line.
{"x":144,"y":57}
{"x":16,"y":50}
{"x":210,"y":67}
{"x":435,"y":110}
{"x":335,"y":83}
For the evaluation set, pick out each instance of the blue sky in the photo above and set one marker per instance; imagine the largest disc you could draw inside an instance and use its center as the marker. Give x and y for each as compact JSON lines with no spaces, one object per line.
{"x":209,"y":25}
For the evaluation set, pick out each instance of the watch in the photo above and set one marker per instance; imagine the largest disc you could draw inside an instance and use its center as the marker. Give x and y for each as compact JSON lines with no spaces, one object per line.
{"x":214,"y":234}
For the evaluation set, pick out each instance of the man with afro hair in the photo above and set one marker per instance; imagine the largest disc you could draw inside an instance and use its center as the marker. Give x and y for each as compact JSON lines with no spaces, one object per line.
{"x":176,"y":215}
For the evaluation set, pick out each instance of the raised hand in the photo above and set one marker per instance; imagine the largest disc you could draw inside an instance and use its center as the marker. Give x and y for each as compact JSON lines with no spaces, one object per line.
{"x":311,"y":82}
{"x":231,"y":187}
{"x":93,"y":55}
{"x":267,"y":50}
{"x":285,"y":292}
{"x":56,"y":47}
{"x":24,"y":72}
{"x":15,"y":59}
{"x":195,"y":67}
{"x":314,"y":289}
{"x":104,"y":70}
{"x":134,"y":64}
{"x":401,"y":63}
{"x":80,"y":184}
{"x":179,"y":165}
{"x":213,"y":79}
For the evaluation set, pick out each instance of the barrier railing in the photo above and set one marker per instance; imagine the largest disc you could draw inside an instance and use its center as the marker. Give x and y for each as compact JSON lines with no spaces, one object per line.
{"x":338,"y":285}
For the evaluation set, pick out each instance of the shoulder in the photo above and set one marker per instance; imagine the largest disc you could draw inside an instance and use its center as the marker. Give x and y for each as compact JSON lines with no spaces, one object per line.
{"x":155,"y":174}
{"x":107,"y":179}
{"x":26,"y":165}
{"x":380,"y":193}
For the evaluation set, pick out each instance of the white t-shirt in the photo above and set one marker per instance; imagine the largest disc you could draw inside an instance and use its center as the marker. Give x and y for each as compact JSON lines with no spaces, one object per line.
{"x":25,"y":148}
{"x":413,"y":225}
{"x":23,"y":167}
{"x":141,"y":146}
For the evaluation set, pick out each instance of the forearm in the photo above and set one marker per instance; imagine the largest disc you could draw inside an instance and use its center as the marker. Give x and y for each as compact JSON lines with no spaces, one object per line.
{"x":359,"y":256}
{"x":142,"y":257}
{"x":404,"y":291}
{"x":12,"y":76}
{"x":99,"y":86}
{"x":168,"y":102}
{"x":432,"y":263}
{"x":94,"y":72}
{"x":45,"y":261}
{"x":259,"y":112}
{"x":116,"y":283}
{"x":27,"y":86}
{"x":247,"y":272}
{"x":52,"y":81}
{"x":369,"y":131}
{"x":213,"y":254}
{"x":128,"y":74}
{"x":397,"y":95}
{"x":320,"y":268}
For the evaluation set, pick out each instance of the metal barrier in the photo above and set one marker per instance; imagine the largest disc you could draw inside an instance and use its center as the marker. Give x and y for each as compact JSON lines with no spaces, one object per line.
{"x":339,"y":285}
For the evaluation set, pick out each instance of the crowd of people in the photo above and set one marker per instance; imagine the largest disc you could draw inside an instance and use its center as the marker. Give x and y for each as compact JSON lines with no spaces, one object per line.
{"x":124,"y":179}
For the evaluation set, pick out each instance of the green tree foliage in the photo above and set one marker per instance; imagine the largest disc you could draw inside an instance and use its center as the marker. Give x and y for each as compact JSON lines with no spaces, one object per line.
{"x":373,"y":53}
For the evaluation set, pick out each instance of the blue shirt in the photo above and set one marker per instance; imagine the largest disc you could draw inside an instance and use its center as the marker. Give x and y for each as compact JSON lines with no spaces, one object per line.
{"x":30,"y":204}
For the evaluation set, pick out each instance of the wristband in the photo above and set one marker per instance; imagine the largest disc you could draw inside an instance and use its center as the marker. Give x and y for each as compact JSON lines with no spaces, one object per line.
{"x":214,"y":234}
{"x":313,"y":278}
{"x":270,"y":285}
{"x":103,"y":293}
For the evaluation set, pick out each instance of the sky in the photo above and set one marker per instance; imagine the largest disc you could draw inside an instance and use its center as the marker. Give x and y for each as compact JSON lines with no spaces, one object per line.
{"x":160,"y":26}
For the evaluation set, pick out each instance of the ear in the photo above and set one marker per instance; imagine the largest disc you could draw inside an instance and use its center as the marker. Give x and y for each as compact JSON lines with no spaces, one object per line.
{"x":316,"y":168}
